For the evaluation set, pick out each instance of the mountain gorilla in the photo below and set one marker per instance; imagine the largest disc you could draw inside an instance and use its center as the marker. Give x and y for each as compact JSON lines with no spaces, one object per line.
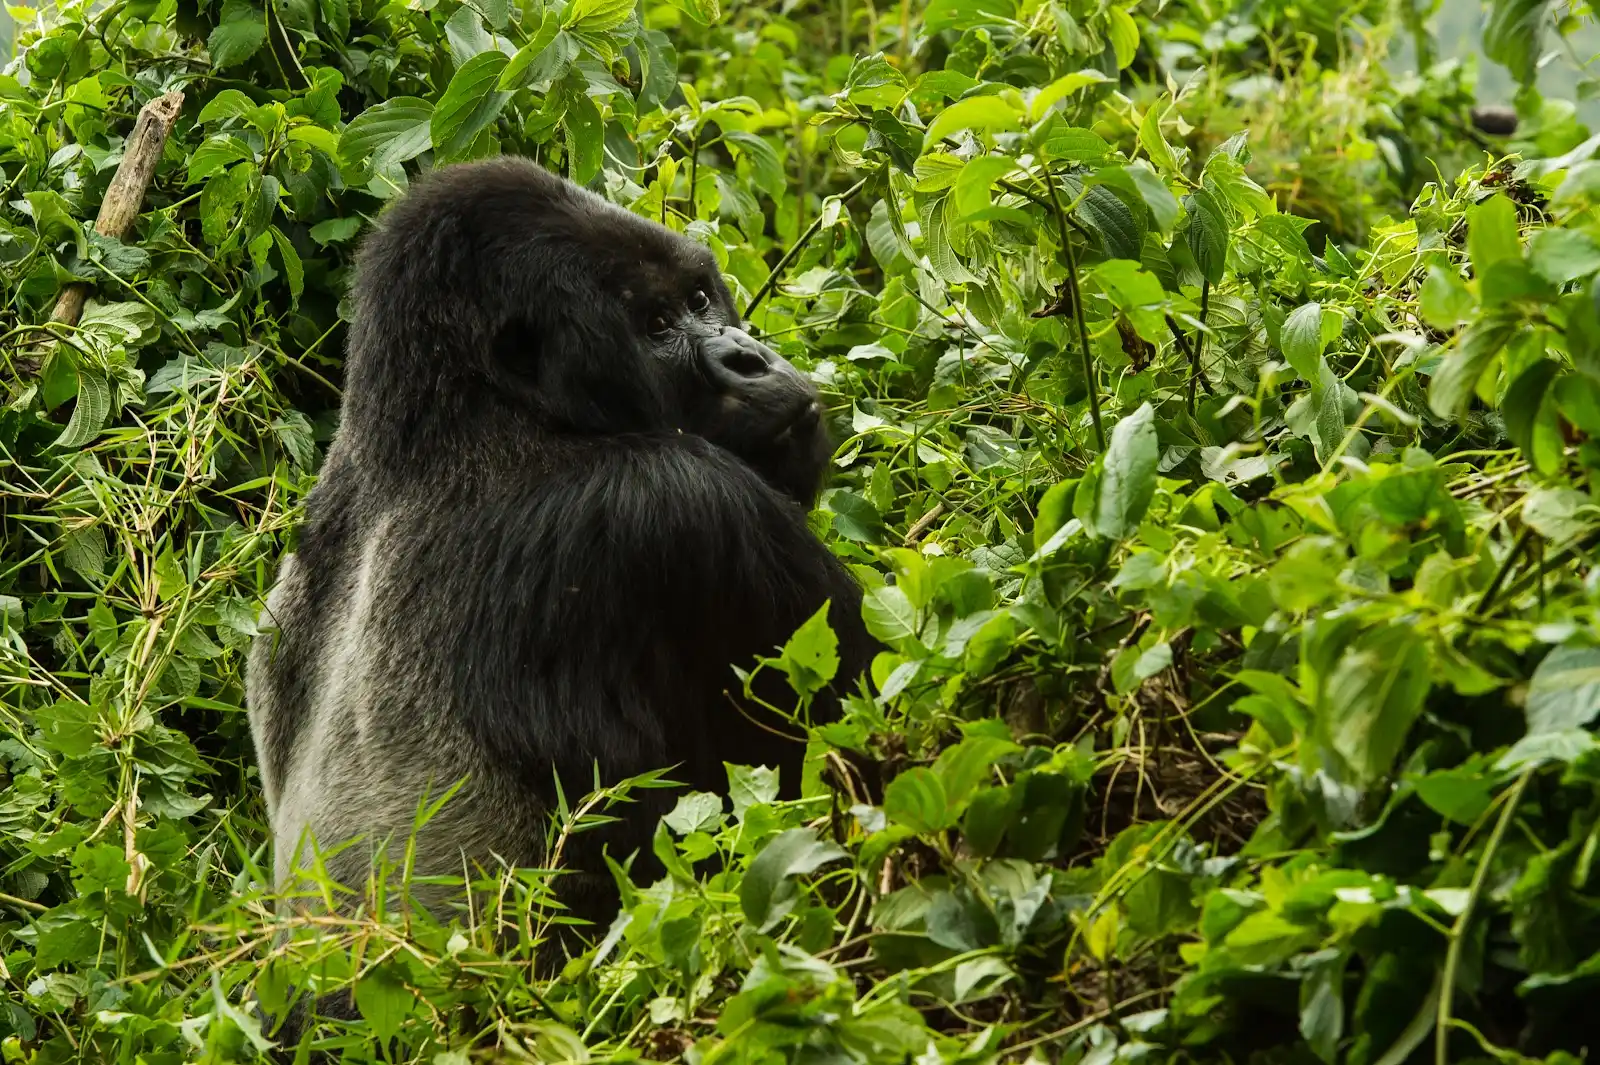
{"x":567,"y":495}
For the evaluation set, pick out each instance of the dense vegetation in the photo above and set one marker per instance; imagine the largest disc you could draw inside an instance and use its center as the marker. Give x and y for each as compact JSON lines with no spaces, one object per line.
{"x":1219,"y":441}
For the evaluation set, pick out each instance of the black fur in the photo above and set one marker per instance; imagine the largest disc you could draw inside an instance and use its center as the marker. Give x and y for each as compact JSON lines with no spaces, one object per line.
{"x":567,"y":495}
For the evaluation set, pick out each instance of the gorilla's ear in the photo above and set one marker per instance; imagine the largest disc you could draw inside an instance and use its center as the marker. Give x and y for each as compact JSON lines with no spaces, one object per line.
{"x":581,"y":368}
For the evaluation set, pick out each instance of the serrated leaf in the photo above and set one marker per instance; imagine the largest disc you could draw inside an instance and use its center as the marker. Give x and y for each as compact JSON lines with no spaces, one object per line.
{"x":239,"y":34}
{"x":469,"y":104}
{"x":1110,"y":216}
{"x":89,"y":413}
{"x":1492,"y":233}
{"x":1565,"y":690}
{"x":597,"y":16}
{"x":293,"y":271}
{"x":917,"y":800}
{"x":988,"y":113}
{"x":1128,"y":475}
{"x":766,"y":894}
{"x":1301,"y":341}
{"x":392,"y":132}
{"x":520,"y":70}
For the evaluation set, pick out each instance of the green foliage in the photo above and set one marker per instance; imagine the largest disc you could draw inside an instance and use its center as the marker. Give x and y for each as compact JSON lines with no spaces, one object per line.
{"x":1217,"y":444}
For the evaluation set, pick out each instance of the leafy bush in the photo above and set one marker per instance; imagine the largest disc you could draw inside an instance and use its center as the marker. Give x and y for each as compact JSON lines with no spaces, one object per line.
{"x":1218,"y":426}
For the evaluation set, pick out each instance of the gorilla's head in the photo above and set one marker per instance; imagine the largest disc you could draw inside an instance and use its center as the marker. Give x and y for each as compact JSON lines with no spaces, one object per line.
{"x":510,"y":301}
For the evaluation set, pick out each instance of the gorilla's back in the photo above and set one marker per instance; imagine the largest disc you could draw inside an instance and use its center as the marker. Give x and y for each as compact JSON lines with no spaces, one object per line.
{"x":345,"y":687}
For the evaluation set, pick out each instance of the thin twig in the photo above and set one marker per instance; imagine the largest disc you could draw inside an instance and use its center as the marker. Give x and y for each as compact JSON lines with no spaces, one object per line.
{"x":799,"y":245}
{"x":1077,"y":312}
{"x":1458,"y":930}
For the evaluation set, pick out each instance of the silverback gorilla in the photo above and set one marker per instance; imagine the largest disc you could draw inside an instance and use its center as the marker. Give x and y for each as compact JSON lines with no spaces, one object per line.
{"x":567,"y":495}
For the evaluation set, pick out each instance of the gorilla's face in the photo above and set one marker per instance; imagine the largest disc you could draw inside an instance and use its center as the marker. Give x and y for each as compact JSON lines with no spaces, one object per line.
{"x":722,"y":383}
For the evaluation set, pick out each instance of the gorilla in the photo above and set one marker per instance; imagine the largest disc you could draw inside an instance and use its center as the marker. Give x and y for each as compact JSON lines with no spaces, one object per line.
{"x":567,"y":495}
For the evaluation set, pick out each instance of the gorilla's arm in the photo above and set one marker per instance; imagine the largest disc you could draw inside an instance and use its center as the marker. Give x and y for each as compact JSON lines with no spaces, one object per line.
{"x":615,"y":598}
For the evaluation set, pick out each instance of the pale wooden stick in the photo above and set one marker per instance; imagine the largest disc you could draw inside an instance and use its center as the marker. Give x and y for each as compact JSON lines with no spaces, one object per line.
{"x":125,"y":195}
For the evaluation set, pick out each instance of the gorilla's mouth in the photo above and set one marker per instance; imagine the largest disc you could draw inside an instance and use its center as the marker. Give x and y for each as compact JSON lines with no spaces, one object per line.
{"x":804,"y":419}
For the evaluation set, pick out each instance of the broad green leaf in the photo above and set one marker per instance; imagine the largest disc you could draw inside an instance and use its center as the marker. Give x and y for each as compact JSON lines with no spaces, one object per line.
{"x":874,"y":82}
{"x":1513,"y":35}
{"x":1371,"y":698}
{"x":469,"y":104}
{"x":767,"y":892}
{"x":392,"y":132}
{"x":229,"y":103}
{"x":889,"y":614}
{"x":1124,"y":34}
{"x":917,"y":800}
{"x":1108,"y":215}
{"x":1155,"y":144}
{"x":1562,"y":255}
{"x":597,"y":16}
{"x":1076,"y":145}
{"x":1446,"y":301}
{"x":988,"y":113}
{"x":384,"y":1000}
{"x":1128,"y":475}
{"x":1301,"y":340}
{"x":1492,"y":233}
{"x":523,"y":68}
{"x":240,"y":32}
{"x":1565,"y":691}
{"x":585,"y":137}
{"x":466,"y":35}
{"x":811,"y":657}
{"x":1456,"y":377}
{"x":1060,"y":89}
{"x":1207,"y":235}
{"x":976,"y":181}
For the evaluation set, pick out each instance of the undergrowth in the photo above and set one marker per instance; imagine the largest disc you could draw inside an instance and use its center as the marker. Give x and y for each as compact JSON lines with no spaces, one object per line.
{"x":1218,"y":425}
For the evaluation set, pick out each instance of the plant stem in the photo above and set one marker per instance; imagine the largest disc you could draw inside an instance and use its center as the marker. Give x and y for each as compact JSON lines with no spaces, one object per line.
{"x":1490,"y":593}
{"x":1077,"y":312}
{"x":1458,"y":930}
{"x":799,"y":245}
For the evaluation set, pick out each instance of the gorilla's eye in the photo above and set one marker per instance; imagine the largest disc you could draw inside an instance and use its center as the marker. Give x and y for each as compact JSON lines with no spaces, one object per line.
{"x":699,"y":301}
{"x":659,"y":325}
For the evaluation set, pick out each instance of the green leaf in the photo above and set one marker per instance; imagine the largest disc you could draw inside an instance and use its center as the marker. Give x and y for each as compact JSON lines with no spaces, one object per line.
{"x":1456,"y":377}
{"x":854,"y":517}
{"x":767,"y":893}
{"x":392,"y":132}
{"x":1565,"y":690}
{"x":293,"y":272}
{"x":89,"y":413}
{"x":1109,"y":215}
{"x":698,"y":811}
{"x":1128,"y":475}
{"x":229,"y":103}
{"x":1155,"y":144}
{"x":585,"y":137}
{"x":597,"y":16}
{"x":1207,"y":235}
{"x":240,"y":33}
{"x":874,"y":82}
{"x":469,"y":104}
{"x":1372,"y":696}
{"x":522,"y":69}
{"x":384,"y":1000}
{"x":466,"y":35}
{"x":1446,"y":301}
{"x":811,"y":657}
{"x":1301,"y":340}
{"x":917,"y":800}
{"x":889,"y":614}
{"x":1124,"y":34}
{"x":1513,"y":35}
{"x":1492,"y":233}
{"x":976,"y":181}
{"x":1563,"y":255}
{"x":988,"y":113}
{"x":1059,"y":90}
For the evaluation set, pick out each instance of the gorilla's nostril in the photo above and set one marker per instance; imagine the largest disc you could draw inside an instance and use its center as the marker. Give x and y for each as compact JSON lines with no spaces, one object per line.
{"x":745,"y":363}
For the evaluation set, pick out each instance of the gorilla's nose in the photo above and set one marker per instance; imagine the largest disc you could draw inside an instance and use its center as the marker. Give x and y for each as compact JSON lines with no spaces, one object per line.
{"x":735,"y":358}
